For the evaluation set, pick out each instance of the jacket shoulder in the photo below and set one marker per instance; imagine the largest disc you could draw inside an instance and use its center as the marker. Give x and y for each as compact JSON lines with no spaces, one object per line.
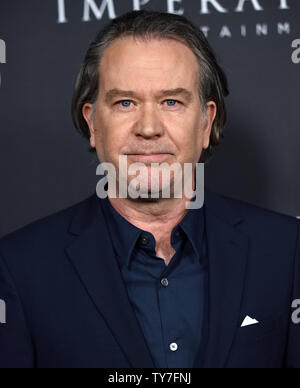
{"x":232,"y":207}
{"x":42,"y":231}
{"x":273,"y":237}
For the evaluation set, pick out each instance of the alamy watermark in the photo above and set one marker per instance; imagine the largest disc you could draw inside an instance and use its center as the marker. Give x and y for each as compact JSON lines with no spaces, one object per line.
{"x":2,"y":312}
{"x":162,"y":180}
{"x":2,"y":54}
{"x":296,"y":52}
{"x":296,"y":312}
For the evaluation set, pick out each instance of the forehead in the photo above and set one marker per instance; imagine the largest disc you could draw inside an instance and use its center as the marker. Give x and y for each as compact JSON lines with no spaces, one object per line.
{"x":156,"y":63}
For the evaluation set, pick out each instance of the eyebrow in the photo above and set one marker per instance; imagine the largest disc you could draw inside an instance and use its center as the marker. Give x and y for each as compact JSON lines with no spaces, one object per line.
{"x":113,"y":93}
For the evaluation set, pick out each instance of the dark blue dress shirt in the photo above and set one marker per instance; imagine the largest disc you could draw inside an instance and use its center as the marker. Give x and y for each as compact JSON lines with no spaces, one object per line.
{"x":170,"y":302}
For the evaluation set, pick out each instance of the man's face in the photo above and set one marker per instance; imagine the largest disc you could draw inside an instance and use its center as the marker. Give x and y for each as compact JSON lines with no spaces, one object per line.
{"x":148,"y":106}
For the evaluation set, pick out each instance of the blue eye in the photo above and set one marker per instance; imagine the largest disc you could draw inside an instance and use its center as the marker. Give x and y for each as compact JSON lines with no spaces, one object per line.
{"x":172,"y":102}
{"x":125,"y":103}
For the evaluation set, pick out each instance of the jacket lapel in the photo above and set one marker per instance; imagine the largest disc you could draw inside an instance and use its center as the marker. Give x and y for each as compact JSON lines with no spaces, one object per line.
{"x":227,"y":256}
{"x":94,"y":261}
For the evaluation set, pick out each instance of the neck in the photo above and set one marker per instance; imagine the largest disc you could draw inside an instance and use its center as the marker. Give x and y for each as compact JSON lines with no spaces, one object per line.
{"x":147,"y":215}
{"x":158,"y":218}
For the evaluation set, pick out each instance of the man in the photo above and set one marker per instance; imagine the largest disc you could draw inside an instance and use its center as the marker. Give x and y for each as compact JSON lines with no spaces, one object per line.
{"x":135,"y":282}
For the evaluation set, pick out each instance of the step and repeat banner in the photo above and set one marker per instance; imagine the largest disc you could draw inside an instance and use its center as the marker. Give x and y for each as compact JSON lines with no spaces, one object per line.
{"x":44,"y":163}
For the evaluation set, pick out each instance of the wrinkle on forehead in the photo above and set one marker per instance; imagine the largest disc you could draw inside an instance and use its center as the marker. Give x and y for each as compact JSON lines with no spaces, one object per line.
{"x":163,"y":61}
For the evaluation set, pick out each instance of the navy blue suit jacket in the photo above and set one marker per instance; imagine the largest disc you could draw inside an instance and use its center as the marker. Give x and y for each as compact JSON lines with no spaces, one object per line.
{"x":67,"y":304}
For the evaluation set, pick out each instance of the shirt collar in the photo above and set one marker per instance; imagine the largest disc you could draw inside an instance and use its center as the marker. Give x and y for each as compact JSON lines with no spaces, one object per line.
{"x":125,"y":235}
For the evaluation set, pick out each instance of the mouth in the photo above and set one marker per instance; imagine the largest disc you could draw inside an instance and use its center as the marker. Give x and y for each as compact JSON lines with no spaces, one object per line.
{"x":154,"y":157}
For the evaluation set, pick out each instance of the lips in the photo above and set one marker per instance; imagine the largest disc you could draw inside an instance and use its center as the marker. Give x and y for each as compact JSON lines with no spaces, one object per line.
{"x":155,"y":157}
{"x":150,"y":154}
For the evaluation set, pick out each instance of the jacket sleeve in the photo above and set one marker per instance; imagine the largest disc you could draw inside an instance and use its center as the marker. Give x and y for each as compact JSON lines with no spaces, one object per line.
{"x":293,"y":350}
{"x":16,"y":350}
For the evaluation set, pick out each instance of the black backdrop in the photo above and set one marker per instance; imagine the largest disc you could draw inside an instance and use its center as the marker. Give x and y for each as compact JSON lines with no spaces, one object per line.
{"x":44,"y":163}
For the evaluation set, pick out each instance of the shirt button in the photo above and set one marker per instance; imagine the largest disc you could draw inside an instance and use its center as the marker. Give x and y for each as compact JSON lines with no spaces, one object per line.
{"x":174,"y":347}
{"x":144,"y":240}
{"x":165,"y":282}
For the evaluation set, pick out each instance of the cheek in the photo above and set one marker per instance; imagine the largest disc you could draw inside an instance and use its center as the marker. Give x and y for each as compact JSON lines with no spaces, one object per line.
{"x":197,"y":136}
{"x":188,"y":137}
{"x":110,"y":135}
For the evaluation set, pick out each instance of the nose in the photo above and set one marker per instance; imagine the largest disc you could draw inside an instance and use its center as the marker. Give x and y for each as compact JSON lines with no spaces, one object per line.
{"x":149,"y":124}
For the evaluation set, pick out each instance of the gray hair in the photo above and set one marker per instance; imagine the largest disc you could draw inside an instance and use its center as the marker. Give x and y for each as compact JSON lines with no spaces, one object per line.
{"x":213,"y":84}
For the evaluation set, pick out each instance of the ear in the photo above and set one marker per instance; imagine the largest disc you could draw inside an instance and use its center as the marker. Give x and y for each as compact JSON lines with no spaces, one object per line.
{"x":87,"y":111}
{"x":211,"y":111}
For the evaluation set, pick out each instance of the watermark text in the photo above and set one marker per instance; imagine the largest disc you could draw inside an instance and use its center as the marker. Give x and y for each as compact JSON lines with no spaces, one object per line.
{"x":296,"y":52}
{"x":152,"y":182}
{"x":2,"y":312}
{"x":296,"y":312}
{"x":2,"y":54}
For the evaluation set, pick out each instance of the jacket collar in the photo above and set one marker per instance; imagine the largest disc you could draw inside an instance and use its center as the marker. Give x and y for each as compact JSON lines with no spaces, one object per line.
{"x":128,"y":235}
